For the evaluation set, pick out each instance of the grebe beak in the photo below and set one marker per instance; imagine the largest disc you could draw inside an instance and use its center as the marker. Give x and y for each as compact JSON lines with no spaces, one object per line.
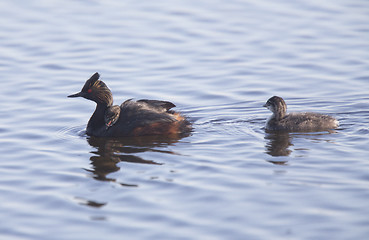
{"x":80,"y":94}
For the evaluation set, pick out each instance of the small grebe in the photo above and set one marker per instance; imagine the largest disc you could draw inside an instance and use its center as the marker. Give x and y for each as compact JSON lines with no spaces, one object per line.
{"x":131,"y":118}
{"x":296,"y":122}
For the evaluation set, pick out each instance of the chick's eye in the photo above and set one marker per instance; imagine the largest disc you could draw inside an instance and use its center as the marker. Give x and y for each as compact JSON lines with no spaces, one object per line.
{"x":89,"y":90}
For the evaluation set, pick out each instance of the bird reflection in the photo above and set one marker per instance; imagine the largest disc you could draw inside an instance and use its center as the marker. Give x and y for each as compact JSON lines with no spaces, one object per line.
{"x":110,"y":151}
{"x":278,"y":144}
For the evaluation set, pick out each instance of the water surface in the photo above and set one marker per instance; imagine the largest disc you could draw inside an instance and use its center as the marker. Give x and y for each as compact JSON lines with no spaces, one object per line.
{"x":218,"y":62}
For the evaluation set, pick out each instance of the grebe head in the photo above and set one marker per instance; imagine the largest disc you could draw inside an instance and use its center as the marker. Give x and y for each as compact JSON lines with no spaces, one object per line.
{"x":95,"y":90}
{"x":277,"y":106}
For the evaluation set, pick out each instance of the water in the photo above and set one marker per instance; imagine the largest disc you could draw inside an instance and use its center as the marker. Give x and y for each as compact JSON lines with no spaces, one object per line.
{"x":218,"y":62}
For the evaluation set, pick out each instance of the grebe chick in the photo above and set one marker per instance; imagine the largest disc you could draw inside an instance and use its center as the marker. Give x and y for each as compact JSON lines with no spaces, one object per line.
{"x":111,"y":115}
{"x":131,"y":118}
{"x":296,"y":122}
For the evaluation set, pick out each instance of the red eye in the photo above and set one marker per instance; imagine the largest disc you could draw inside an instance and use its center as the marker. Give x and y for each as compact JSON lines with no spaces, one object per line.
{"x":89,"y":90}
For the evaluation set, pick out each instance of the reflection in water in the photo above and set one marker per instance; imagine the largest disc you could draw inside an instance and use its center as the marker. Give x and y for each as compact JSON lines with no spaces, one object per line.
{"x":278,"y":143}
{"x":110,"y":151}
{"x":89,"y":203}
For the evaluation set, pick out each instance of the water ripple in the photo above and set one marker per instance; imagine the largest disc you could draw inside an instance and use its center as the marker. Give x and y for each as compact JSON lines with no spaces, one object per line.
{"x":218,"y":62}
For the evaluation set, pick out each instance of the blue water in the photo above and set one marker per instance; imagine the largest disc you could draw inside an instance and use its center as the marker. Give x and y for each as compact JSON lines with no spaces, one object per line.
{"x":218,"y":62}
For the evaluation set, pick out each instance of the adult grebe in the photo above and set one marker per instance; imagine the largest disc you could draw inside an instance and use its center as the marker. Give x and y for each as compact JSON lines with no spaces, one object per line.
{"x":131,"y":118}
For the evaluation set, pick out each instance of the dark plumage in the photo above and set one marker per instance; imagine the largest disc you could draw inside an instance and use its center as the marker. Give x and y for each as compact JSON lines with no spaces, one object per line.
{"x":111,"y":115}
{"x":296,"y":122}
{"x":131,"y":118}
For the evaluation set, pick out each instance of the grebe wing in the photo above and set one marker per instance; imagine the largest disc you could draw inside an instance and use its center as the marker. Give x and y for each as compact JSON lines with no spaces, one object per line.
{"x":157,"y":104}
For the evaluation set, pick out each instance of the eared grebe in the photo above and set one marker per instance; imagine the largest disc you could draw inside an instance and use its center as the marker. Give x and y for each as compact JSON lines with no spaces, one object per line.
{"x":296,"y":122}
{"x":131,"y":118}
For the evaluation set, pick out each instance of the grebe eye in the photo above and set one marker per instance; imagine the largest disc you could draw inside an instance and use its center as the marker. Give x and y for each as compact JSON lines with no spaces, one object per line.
{"x":89,"y":90}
